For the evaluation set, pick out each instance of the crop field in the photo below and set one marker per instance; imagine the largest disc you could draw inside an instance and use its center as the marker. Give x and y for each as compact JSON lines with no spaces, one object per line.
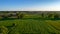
{"x":30,"y":24}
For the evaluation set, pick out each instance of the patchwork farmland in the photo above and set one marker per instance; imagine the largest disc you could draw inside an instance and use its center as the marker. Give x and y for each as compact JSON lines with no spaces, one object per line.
{"x":29,"y":22}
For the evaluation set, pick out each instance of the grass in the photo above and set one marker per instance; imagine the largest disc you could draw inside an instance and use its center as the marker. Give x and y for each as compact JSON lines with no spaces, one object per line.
{"x":32,"y":26}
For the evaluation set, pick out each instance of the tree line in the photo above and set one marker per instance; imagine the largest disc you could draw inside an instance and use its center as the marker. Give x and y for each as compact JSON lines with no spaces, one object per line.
{"x":42,"y":15}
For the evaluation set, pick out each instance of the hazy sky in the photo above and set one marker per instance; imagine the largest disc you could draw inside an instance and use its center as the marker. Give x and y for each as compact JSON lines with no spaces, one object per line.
{"x":29,"y":5}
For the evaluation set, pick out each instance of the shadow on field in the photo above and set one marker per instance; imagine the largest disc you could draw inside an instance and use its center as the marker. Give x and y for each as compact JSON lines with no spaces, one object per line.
{"x":8,"y":19}
{"x":31,"y":18}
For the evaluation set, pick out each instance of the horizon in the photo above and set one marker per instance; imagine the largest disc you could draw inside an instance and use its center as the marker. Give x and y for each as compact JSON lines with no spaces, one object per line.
{"x":29,"y":5}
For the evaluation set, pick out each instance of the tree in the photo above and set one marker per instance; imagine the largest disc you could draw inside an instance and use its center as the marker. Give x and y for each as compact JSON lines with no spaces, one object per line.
{"x":42,"y":14}
{"x":56,"y":16}
{"x":21,"y":15}
{"x":50,"y":15}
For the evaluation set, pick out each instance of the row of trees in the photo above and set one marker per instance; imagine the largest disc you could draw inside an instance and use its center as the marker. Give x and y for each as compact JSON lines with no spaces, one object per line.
{"x":43,"y":15}
{"x":18,"y":15}
{"x":50,"y":15}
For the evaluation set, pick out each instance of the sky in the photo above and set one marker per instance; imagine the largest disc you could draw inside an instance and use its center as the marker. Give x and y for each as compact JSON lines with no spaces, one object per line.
{"x":29,"y":5}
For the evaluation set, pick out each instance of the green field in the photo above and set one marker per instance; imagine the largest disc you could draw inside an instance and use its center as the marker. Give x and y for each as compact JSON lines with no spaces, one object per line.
{"x":32,"y":26}
{"x":30,"y":23}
